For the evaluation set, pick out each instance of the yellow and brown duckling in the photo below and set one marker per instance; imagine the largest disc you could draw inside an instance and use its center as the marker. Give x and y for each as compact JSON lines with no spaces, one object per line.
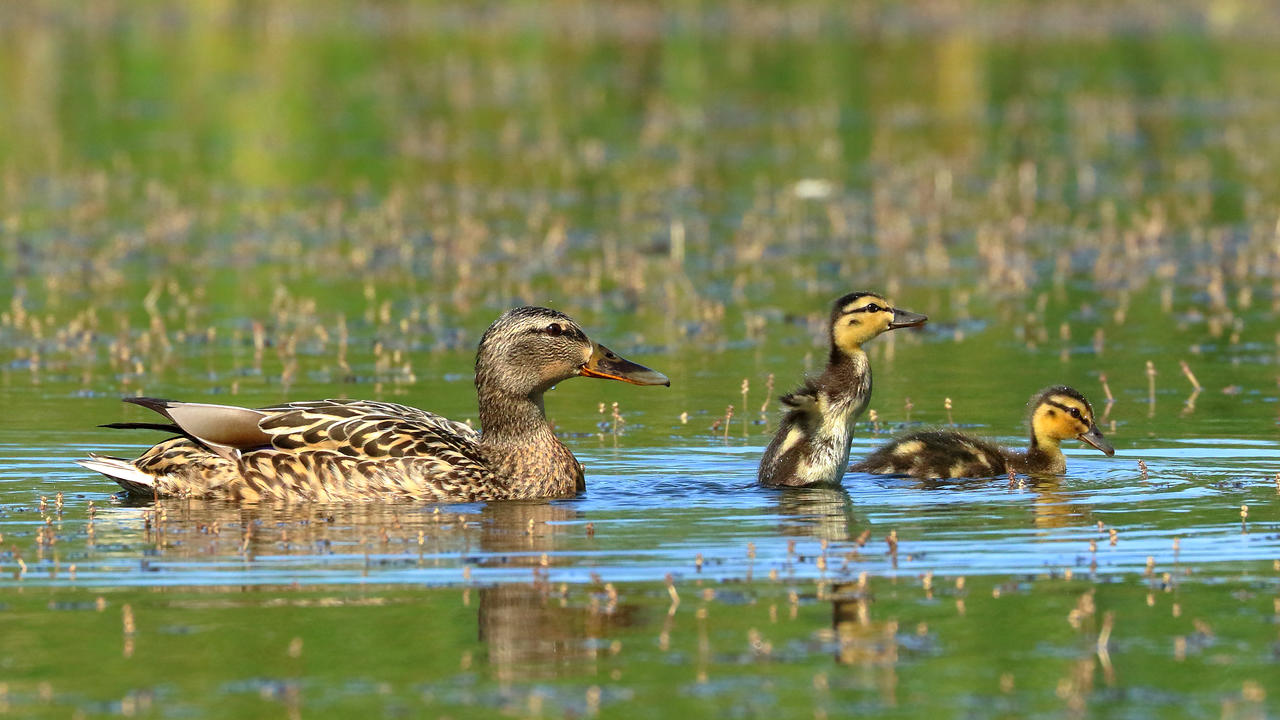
{"x":1057,"y":413}
{"x":811,"y":446}
{"x":338,"y":450}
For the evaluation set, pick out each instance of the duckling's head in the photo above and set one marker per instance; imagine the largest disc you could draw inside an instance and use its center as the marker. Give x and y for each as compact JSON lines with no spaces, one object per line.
{"x":529,"y":349}
{"x":1059,"y":413}
{"x":860,"y":316}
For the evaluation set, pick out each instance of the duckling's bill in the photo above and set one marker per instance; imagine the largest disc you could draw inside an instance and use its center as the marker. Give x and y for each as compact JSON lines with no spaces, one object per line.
{"x":1094,"y":437}
{"x":906,"y":318}
{"x":608,"y":365}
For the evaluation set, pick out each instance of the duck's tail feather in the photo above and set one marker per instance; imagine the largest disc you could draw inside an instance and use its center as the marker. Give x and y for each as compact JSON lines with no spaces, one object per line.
{"x":163,"y":427}
{"x":159,"y":405}
{"x":133,"y":480}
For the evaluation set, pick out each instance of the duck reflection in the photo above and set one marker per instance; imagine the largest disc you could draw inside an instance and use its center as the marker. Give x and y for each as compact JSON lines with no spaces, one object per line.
{"x":533,"y":630}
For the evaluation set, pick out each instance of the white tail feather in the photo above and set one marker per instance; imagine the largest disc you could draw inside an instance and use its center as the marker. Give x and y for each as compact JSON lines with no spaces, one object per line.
{"x":122,"y":471}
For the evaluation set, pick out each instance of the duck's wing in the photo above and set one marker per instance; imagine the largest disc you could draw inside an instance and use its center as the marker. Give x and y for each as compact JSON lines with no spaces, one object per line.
{"x":358,"y":428}
{"x":181,"y":467}
{"x":367,"y":429}
{"x":802,"y":404}
{"x":321,"y":450}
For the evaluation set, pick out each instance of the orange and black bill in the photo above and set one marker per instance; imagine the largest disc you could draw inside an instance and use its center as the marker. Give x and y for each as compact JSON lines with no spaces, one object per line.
{"x":1094,"y":438}
{"x":607,"y":364}
{"x":906,"y":318}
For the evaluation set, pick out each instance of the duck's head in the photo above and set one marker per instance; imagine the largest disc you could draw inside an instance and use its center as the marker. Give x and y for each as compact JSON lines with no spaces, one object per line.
{"x":860,"y":316}
{"x":529,"y":349}
{"x":1060,"y":413}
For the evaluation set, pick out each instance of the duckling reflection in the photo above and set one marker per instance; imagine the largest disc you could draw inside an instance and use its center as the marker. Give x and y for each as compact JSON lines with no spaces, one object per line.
{"x":1051,"y":508}
{"x":824,"y":513}
{"x":860,"y":641}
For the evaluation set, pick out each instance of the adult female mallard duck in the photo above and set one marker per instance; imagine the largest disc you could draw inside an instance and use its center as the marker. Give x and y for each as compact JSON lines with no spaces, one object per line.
{"x":1057,"y":413}
{"x":811,"y":446}
{"x":360,"y":449}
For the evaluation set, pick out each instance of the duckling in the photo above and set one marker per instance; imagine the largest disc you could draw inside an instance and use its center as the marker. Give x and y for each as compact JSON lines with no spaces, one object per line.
{"x":811,"y":446}
{"x":338,"y":450}
{"x":1057,"y":413}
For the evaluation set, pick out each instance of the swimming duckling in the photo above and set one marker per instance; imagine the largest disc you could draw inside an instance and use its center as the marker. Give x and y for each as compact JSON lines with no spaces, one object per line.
{"x":811,"y":446}
{"x":1057,"y":413}
{"x":337,"y":450}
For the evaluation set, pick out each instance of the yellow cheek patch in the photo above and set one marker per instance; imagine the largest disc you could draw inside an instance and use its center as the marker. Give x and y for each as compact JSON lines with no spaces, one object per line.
{"x":1052,"y":422}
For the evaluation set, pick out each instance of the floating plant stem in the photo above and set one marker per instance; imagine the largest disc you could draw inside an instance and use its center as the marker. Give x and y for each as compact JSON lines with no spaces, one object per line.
{"x":1151,"y":389}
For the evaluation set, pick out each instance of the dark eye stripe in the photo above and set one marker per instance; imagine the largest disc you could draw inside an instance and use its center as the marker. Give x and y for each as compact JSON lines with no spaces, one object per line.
{"x":866,"y":308}
{"x":1073,"y":412}
{"x":557,"y":329}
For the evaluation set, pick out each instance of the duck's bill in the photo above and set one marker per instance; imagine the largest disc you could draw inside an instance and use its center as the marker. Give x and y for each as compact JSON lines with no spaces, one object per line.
{"x":906,"y":318}
{"x":1094,"y":438}
{"x":608,"y":365}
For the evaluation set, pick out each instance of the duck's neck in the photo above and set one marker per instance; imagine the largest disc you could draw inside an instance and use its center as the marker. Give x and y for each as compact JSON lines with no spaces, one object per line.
{"x":506,"y":417}
{"x":519,"y":446}
{"x":1043,"y":456}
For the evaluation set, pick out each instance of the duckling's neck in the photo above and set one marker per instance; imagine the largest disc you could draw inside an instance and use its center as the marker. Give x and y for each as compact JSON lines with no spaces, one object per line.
{"x":847,"y":381}
{"x":518,"y":445}
{"x":1043,"y":456}
{"x":844,"y":389}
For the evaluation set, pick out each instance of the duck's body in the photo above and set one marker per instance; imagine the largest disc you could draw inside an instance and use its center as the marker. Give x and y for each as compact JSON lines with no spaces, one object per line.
{"x":338,"y":450}
{"x":811,"y":446}
{"x":1057,"y":413}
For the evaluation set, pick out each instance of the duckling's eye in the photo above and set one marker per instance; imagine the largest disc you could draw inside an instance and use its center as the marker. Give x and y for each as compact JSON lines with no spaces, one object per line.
{"x":872,"y":308}
{"x":1076,"y":414}
{"x":555,"y":330}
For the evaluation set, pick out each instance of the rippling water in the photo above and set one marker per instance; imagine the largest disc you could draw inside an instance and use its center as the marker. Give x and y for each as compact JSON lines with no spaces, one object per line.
{"x":653,"y":512}
{"x":673,"y":582}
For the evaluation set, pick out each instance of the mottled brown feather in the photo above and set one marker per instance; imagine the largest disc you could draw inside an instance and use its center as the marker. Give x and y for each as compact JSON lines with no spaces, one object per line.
{"x":339,"y":450}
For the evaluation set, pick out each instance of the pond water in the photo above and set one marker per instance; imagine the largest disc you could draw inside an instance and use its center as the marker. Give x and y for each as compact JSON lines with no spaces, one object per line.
{"x":296,"y":200}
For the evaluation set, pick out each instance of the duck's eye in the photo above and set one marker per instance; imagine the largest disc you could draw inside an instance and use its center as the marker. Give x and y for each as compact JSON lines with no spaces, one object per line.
{"x":872,"y":308}
{"x":555,"y":330}
{"x":1076,"y":414}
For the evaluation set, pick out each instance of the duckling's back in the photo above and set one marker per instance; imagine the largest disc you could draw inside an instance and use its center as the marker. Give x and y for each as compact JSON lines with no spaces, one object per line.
{"x":811,"y":446}
{"x":936,"y":454}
